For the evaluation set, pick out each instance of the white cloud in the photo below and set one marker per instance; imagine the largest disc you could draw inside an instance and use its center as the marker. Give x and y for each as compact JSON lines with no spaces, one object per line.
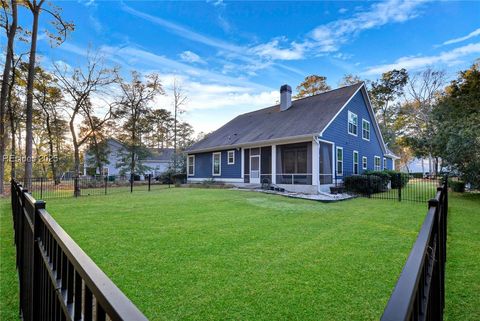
{"x":411,"y":63}
{"x":329,"y":37}
{"x":189,"y":56}
{"x":272,"y":50}
{"x":460,"y":39}
{"x":342,"y":10}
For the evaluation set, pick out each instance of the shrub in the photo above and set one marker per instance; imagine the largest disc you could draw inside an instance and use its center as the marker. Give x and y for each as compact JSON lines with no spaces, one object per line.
{"x":364,"y":184}
{"x":457,"y":186}
{"x":396,"y":183}
{"x":384,"y":177}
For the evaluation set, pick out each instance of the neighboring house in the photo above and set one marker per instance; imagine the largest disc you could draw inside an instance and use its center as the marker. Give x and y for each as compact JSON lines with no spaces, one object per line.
{"x":421,"y":165}
{"x":300,"y":145}
{"x":157,"y":161}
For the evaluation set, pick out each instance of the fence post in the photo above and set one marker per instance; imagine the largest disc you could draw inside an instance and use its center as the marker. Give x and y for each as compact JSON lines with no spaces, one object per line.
{"x":131,"y":182}
{"x":149,"y":181}
{"x":106,"y":184}
{"x":41,"y":187}
{"x":37,"y":261}
{"x":399,"y":182}
{"x":169,"y":179}
{"x":369,"y":186}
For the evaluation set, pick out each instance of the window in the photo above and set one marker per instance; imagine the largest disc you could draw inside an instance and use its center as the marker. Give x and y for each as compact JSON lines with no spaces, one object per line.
{"x":365,"y":129}
{"x":339,"y":161}
{"x":364,"y":162}
{"x":231,"y":157}
{"x":105,"y":171}
{"x":352,"y":123}
{"x":216,"y":164}
{"x":384,"y":163}
{"x":355,"y":162}
{"x":376,"y":164}
{"x":191,"y":165}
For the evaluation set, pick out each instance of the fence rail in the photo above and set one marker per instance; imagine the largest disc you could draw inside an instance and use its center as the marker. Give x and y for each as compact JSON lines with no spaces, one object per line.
{"x":58,"y":281}
{"x":420,"y":291}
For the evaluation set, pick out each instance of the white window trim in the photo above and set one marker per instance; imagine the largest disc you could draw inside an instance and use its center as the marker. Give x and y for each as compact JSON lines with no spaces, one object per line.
{"x":348,"y":123}
{"x":353,"y":162}
{"x":364,"y":162}
{"x":369,"y":131}
{"x":375,"y":163}
{"x":228,"y":157}
{"x":220,"y":164}
{"x":336,"y":161}
{"x":384,"y":163}
{"x":188,"y":165}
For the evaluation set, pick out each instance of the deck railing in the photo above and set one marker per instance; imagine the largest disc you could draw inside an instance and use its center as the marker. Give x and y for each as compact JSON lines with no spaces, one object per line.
{"x":58,"y":281}
{"x":420,"y":291}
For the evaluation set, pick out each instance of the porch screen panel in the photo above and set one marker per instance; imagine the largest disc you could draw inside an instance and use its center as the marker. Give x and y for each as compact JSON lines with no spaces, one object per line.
{"x":246,"y":166}
{"x":326,"y":159}
{"x":294,"y":164}
{"x":266,"y":164}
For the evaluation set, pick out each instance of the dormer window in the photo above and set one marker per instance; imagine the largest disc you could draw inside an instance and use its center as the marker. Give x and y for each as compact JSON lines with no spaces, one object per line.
{"x":352,"y":123}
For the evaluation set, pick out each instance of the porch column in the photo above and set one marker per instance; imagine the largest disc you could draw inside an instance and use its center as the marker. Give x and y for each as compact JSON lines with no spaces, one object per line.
{"x":274,"y":164}
{"x":315,"y":162}
{"x":242,"y":159}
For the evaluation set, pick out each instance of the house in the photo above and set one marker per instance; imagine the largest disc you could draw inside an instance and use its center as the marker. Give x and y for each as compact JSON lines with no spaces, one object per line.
{"x":301,"y":145}
{"x":158,"y":160}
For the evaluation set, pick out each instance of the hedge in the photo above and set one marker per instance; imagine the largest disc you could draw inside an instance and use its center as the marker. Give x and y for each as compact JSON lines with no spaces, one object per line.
{"x":364,"y":184}
{"x":457,"y":186}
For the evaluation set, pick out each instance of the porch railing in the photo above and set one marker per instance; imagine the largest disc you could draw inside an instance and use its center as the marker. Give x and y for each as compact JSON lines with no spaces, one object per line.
{"x":57,"y":280}
{"x":296,"y":178}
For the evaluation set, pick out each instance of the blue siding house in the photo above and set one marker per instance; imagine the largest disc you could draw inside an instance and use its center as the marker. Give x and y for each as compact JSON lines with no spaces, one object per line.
{"x":302,"y":145}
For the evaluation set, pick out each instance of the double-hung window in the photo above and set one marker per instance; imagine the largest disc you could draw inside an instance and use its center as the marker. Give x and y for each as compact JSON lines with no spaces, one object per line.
{"x":384,"y":163}
{"x":339,"y":161}
{"x":231,"y":157}
{"x":355,"y":162}
{"x":377,"y":165}
{"x":364,"y":162}
{"x":216,"y":164}
{"x":352,"y":123}
{"x":365,"y":129}
{"x":191,"y":165}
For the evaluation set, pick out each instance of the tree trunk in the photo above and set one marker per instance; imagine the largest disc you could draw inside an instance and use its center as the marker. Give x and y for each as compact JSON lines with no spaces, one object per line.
{"x":29,"y":109}
{"x":76,"y":161}
{"x":4,"y":91}
{"x":50,"y":146}
{"x":11,"y":116}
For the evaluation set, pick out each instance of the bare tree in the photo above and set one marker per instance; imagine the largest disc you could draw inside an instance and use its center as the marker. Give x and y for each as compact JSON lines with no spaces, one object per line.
{"x":79,"y":85}
{"x":179,"y":100}
{"x":415,"y":115}
{"x":62,"y":28}
{"x":11,"y":29}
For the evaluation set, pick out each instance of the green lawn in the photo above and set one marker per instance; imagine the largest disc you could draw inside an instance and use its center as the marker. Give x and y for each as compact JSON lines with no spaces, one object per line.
{"x":206,"y":254}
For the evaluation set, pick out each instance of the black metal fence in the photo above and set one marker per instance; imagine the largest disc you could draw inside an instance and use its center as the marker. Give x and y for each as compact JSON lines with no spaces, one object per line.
{"x":420,"y":291}
{"x":58,"y":281}
{"x":47,"y":188}
{"x":388,"y":185}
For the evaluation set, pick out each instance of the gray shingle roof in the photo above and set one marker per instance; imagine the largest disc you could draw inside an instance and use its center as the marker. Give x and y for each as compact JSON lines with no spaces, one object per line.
{"x":306,"y":116}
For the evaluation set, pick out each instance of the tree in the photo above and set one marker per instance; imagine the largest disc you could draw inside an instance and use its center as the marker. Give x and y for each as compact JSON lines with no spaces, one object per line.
{"x":312,"y":85}
{"x":11,"y":30}
{"x":62,"y":28}
{"x":134,"y":107}
{"x":179,"y":100}
{"x":162,"y":125}
{"x":185,"y":135}
{"x":415,"y":120}
{"x":384,"y":94}
{"x":49,"y":97}
{"x":79,"y":85}
{"x":96,"y":142}
{"x":349,"y":79}
{"x":457,"y":118}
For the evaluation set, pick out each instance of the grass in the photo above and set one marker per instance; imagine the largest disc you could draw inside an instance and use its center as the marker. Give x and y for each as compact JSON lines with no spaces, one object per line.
{"x":196,"y":254}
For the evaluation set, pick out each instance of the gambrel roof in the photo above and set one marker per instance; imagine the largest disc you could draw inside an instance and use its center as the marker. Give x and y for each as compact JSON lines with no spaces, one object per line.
{"x":308,"y":116}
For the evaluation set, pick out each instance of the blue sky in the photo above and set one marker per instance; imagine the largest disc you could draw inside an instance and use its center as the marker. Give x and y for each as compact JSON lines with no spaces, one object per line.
{"x":232,"y":57}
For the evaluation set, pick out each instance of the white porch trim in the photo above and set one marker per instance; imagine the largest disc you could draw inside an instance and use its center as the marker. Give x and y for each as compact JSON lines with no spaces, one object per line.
{"x":315,"y":162}
{"x":274,"y":164}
